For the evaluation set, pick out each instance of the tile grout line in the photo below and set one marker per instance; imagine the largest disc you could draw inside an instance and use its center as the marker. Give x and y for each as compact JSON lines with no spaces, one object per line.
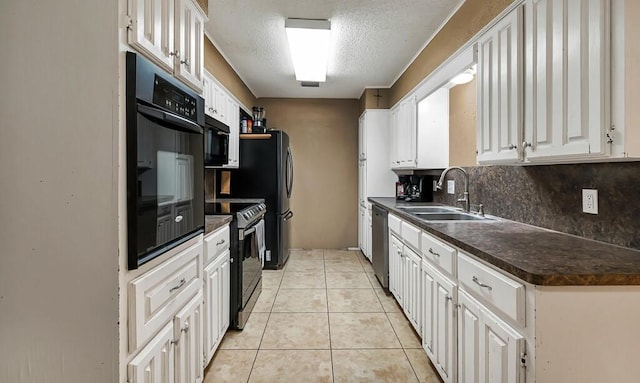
{"x":326,"y":289}
{"x":265,"y":325}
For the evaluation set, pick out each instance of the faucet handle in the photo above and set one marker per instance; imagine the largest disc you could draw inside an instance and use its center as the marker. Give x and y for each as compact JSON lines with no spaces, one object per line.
{"x":477,"y":209}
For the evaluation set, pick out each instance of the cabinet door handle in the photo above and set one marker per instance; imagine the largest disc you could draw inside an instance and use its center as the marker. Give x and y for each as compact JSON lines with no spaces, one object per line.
{"x":186,"y":328}
{"x":185,"y":62}
{"x":180,"y":284}
{"x":448,"y":298}
{"x":433,"y":252}
{"x":475,"y":279}
{"x":176,"y":53}
{"x":526,"y":144}
{"x":512,"y":146}
{"x":220,"y":243}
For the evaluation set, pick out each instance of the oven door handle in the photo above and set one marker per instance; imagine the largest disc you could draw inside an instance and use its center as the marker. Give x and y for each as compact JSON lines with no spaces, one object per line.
{"x":253,"y":229}
{"x":170,"y":118}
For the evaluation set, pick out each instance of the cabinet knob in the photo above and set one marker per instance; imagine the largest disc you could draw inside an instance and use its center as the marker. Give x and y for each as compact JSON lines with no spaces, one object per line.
{"x":185,"y":62}
{"x":175,"y":53}
{"x":526,"y":144}
{"x":512,"y":146}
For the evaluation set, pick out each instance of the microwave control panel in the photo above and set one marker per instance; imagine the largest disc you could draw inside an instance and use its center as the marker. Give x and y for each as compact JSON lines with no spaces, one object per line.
{"x":168,"y":96}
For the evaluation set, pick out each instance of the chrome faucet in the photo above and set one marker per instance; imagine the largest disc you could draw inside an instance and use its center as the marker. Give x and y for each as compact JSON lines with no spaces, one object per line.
{"x":465,"y":195}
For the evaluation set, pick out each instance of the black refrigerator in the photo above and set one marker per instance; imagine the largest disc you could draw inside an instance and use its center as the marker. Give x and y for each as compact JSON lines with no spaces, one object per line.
{"x":266,"y":171}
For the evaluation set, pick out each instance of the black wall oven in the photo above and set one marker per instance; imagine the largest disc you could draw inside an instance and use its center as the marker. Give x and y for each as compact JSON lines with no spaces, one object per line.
{"x":165,"y":171}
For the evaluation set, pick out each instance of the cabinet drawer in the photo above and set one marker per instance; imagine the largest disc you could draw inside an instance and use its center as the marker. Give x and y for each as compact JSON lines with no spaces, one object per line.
{"x":157,"y":295}
{"x":439,"y":253}
{"x":411,"y":235}
{"x":394,"y":224}
{"x":215,"y":244}
{"x":493,"y":287}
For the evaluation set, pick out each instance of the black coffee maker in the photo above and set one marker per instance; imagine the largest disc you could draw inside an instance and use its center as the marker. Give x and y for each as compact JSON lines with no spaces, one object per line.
{"x":416,"y":188}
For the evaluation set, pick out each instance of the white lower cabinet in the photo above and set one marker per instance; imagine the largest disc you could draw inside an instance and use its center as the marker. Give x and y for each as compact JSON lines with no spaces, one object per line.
{"x":395,"y":267}
{"x":216,"y":303}
{"x":469,"y":314}
{"x":468,"y":339}
{"x":411,"y":264}
{"x":155,"y":363}
{"x":489,"y":349}
{"x":188,"y":336}
{"x":216,"y":290}
{"x":165,"y":320}
{"x":441,"y":347}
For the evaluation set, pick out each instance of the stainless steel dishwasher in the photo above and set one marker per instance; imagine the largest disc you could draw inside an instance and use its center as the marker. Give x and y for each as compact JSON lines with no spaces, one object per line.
{"x":380,"y":245}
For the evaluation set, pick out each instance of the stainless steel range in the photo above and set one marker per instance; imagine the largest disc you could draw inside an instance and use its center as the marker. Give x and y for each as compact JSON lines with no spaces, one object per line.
{"x":247,"y":239}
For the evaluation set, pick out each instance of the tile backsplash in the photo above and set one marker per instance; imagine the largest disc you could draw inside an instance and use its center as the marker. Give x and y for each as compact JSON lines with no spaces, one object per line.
{"x":551,"y":197}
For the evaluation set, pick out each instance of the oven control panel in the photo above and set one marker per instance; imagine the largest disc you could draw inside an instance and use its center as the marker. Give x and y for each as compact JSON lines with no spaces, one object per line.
{"x":168,"y":96}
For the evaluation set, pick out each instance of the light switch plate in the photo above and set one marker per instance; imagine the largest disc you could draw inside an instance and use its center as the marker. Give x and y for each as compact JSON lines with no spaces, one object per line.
{"x":590,"y":201}
{"x":451,"y":187}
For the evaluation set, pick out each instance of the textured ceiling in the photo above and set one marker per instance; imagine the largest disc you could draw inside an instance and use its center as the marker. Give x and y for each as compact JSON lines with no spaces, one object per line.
{"x":372,"y":41}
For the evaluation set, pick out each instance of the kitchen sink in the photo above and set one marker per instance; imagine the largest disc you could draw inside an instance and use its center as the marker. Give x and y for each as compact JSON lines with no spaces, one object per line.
{"x":428,"y":209}
{"x":451,"y":216}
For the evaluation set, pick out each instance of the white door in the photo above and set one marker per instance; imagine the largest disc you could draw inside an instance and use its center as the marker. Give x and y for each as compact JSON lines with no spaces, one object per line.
{"x":213,"y":306}
{"x":395,"y":138}
{"x":445,"y":327}
{"x":567,"y":79}
{"x":187,"y":327}
{"x":395,"y":267}
{"x":189,"y":43}
{"x":207,"y":93}
{"x":232,"y":114}
{"x":500,"y":88}
{"x":428,"y":310}
{"x":468,"y":338}
{"x":412,"y":302}
{"x":152,"y":28}
{"x":500,"y":351}
{"x":225,"y":291}
{"x":155,"y":362}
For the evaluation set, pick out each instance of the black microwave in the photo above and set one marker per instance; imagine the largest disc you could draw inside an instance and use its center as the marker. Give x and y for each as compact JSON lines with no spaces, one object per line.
{"x":216,"y":142}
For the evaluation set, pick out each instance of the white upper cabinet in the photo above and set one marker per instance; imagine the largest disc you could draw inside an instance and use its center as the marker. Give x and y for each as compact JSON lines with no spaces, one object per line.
{"x":151,"y":30}
{"x":220,"y":104}
{"x":404,"y":134}
{"x":567,"y":79}
{"x":500,"y":90}
{"x":433,"y":130}
{"x":170,"y":33}
{"x":189,"y":43}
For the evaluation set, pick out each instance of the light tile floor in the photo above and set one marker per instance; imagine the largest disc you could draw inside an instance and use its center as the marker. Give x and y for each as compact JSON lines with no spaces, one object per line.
{"x":323,"y":318}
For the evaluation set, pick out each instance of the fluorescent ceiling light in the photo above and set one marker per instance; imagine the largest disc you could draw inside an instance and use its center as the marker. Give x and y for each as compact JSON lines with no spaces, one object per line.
{"x":309,"y":46}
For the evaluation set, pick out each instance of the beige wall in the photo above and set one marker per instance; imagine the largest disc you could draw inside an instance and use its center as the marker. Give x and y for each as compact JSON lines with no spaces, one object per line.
{"x":204,"y":4}
{"x":324,"y":142}
{"x":59,"y":206}
{"x":224,"y":73}
{"x":469,"y":20}
{"x":462,"y":124}
{"x":374,"y":99}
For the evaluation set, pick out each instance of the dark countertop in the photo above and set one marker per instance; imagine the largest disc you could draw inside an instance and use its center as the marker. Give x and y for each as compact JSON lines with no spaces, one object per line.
{"x":536,"y":255}
{"x":214,"y":222}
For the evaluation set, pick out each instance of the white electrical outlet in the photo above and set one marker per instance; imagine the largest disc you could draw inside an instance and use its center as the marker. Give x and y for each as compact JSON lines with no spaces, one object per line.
{"x":451,"y":187}
{"x":590,"y":201}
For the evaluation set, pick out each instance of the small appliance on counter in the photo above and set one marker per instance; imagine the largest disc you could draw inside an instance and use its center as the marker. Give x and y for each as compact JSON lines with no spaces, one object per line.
{"x":414,"y":188}
{"x":259,"y":122}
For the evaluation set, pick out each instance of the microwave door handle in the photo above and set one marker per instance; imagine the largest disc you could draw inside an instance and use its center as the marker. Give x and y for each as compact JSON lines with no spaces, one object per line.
{"x":170,"y":118}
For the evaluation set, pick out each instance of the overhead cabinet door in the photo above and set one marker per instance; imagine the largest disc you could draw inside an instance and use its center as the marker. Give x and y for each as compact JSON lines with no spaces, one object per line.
{"x":500,"y":91}
{"x":152,"y":29}
{"x":567,"y":79}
